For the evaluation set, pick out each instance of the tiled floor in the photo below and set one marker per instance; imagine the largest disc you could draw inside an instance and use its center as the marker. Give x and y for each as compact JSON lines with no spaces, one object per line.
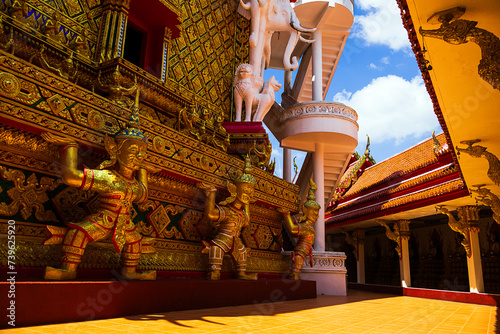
{"x":360,"y":312}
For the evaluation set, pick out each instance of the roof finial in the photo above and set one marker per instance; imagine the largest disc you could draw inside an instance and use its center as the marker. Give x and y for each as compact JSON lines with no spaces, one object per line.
{"x":437,"y":145}
{"x":367,"y":150}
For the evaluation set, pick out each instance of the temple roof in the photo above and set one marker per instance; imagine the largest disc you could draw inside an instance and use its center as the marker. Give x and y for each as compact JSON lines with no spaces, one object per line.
{"x":412,"y":159}
{"x":411,"y":178}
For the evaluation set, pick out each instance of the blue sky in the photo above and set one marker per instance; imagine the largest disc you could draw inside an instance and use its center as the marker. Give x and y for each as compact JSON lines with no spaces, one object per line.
{"x":378,"y":76}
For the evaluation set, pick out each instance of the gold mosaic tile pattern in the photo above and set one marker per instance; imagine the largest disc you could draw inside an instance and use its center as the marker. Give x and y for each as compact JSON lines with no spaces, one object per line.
{"x":212,"y":44}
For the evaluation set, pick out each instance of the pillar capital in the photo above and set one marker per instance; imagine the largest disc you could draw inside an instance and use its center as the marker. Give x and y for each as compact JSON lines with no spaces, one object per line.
{"x":469,"y":214}
{"x":404,"y":229}
{"x":359,"y":235}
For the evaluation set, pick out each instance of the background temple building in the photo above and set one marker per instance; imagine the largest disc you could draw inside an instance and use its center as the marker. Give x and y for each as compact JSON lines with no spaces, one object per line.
{"x":427,"y":218}
{"x":422,"y":245}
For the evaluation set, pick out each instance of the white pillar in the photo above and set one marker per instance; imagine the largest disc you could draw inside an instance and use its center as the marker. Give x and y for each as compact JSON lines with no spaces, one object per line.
{"x":317,"y":67}
{"x":287,"y":164}
{"x":319,"y":176}
{"x":475,"y":268}
{"x":404,"y":259}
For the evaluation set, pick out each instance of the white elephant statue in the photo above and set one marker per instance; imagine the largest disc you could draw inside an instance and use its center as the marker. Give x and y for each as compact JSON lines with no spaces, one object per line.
{"x":268,"y":16}
{"x":248,"y":91}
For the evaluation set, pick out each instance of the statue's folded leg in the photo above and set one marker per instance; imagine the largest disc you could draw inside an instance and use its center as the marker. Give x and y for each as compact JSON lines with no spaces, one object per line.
{"x":131,"y":254}
{"x":73,"y":248}
{"x":241,"y":267}
{"x":215,"y":256}
{"x":296,"y":266}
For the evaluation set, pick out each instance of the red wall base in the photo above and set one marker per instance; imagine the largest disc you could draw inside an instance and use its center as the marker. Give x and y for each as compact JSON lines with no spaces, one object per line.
{"x":38,"y":303}
{"x":452,"y":296}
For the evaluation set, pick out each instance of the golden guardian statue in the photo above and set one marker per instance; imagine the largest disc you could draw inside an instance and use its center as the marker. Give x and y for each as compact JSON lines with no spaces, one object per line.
{"x":120,"y":181}
{"x":231,"y":215}
{"x":303,"y":230}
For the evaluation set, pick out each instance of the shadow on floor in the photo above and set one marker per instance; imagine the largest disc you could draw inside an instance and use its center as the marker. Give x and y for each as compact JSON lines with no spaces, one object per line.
{"x":259,"y":308}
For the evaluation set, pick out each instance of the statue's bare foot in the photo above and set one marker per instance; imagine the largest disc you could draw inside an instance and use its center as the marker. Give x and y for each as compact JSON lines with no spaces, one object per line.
{"x":130,"y":273}
{"x":58,"y":274}
{"x":248,"y":277}
{"x":213,"y":275}
{"x":293,"y":276}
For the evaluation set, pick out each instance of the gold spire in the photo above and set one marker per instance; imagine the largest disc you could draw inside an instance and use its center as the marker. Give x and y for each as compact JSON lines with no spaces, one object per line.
{"x":311,"y":197}
{"x":247,"y":170}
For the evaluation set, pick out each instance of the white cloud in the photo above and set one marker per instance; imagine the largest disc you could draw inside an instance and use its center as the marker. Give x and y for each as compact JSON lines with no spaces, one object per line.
{"x":381,"y":25}
{"x":391,"y":108}
{"x":374,"y":67}
{"x":344,"y":96}
{"x":385,"y":60}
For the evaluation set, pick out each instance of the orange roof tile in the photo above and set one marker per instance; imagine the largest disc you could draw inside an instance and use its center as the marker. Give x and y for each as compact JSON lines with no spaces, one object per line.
{"x":400,"y":186}
{"x":399,"y":165}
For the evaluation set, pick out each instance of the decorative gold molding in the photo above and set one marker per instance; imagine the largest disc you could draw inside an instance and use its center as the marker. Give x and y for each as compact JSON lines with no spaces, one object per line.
{"x":171,"y":255}
{"x":31,"y":253}
{"x":320,"y":108}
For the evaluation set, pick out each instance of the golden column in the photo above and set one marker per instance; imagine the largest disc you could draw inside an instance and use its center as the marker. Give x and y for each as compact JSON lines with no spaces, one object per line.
{"x":113,"y":28}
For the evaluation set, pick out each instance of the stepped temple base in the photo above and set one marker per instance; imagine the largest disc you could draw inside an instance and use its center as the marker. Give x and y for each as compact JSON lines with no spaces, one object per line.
{"x":46,"y":302}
